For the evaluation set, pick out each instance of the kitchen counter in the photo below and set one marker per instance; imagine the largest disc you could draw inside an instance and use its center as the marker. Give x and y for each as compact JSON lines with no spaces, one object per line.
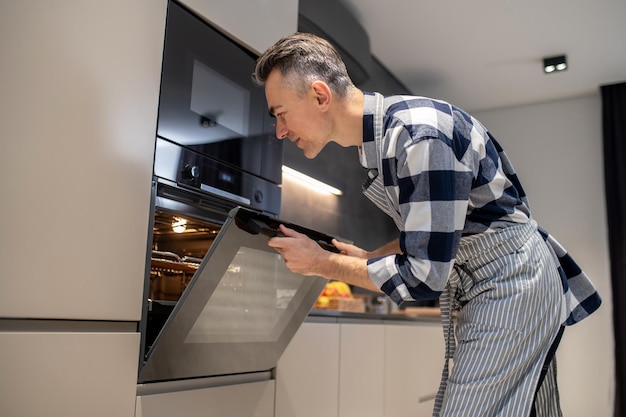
{"x":412,"y":314}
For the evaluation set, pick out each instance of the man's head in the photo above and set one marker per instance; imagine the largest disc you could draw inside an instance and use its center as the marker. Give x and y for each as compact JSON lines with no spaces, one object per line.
{"x":303,"y":58}
{"x":310,"y":94}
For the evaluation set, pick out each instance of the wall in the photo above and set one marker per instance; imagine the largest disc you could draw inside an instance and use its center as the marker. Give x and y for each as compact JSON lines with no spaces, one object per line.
{"x":556,"y":148}
{"x":351,"y":216}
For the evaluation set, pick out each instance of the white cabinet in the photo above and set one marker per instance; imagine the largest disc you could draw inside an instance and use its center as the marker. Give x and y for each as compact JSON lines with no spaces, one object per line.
{"x":80,"y":88}
{"x":361,"y":368}
{"x":68,"y":374}
{"x":307,"y":375}
{"x":255,"y":399}
{"x":414,"y":357}
{"x":256,"y":24}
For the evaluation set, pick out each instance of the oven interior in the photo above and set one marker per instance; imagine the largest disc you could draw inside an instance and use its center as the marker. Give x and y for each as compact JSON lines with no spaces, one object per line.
{"x":179,"y":244}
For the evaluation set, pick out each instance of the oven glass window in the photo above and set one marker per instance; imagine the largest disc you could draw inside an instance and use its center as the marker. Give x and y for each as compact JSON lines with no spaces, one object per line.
{"x":251,"y":301}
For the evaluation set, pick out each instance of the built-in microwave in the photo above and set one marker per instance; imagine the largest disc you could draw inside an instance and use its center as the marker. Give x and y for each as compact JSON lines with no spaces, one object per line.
{"x":210,"y":107}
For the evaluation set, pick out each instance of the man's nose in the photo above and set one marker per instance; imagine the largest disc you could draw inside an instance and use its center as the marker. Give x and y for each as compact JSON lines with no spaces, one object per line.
{"x":281,"y":130}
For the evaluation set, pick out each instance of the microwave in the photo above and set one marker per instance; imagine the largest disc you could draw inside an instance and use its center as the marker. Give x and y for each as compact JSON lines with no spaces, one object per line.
{"x":210,"y":109}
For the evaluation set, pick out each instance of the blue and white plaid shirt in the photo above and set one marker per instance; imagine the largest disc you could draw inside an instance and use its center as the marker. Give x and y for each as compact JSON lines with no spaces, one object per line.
{"x":441,"y":176}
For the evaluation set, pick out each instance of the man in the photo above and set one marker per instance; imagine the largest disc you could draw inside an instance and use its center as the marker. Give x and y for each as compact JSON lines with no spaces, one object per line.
{"x":466,"y":231}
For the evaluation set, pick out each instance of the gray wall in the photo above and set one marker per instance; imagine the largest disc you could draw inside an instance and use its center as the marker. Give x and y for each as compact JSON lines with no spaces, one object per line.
{"x":351,"y":216}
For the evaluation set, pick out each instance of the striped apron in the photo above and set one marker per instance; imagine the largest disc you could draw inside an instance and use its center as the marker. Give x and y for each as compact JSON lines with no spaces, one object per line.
{"x":508,"y":299}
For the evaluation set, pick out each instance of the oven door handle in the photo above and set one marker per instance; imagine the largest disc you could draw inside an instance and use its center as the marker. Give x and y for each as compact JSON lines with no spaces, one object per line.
{"x":256,"y":226}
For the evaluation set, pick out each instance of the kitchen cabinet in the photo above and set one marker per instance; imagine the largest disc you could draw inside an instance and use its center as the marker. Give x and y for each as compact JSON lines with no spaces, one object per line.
{"x":68,"y":373}
{"x":361,"y":368}
{"x":413,"y":362}
{"x":255,"y":399}
{"x":256,"y":24}
{"x":307,"y":374}
{"x":80,"y":86}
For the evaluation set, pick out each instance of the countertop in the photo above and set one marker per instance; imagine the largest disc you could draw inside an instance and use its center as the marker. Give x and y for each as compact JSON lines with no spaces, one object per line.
{"x":412,"y":314}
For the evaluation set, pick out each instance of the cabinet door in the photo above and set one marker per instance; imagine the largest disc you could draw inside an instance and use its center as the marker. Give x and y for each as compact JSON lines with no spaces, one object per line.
{"x":361,"y":365}
{"x":307,"y":374}
{"x":68,"y":374}
{"x":255,"y":399}
{"x":80,"y":81}
{"x":413,"y":363}
{"x":257,"y":24}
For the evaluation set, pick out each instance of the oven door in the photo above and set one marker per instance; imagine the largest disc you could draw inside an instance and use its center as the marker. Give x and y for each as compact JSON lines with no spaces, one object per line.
{"x":241,"y":308}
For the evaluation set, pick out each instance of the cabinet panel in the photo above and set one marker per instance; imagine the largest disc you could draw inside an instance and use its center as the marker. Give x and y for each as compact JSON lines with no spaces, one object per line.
{"x":413,"y":363}
{"x":307,"y":375}
{"x":252,"y":400}
{"x":257,"y":24}
{"x":361,"y":370}
{"x":68,"y":374}
{"x":80,"y":85}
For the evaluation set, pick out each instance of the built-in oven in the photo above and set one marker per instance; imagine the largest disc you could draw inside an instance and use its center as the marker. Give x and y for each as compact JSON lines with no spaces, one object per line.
{"x":210,"y":106}
{"x":218,"y":300}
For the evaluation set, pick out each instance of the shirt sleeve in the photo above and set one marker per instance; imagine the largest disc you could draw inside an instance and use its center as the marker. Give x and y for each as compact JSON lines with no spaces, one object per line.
{"x":432,"y":189}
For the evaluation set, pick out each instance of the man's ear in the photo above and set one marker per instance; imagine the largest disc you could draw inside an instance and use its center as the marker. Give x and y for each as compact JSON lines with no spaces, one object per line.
{"x":322,"y":94}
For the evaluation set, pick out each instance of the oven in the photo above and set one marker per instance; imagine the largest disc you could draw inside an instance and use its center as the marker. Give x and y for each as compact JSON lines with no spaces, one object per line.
{"x":218,"y":301}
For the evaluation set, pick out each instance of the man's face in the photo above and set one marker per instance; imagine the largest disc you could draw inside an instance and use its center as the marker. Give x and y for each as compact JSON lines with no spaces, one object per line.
{"x":300,"y":119}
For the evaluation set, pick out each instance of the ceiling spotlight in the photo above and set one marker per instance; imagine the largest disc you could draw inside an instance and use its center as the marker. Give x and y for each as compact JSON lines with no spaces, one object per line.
{"x":555,"y":64}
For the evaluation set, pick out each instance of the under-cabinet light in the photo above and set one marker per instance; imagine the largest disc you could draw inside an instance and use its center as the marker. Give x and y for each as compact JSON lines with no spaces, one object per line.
{"x":309,"y":182}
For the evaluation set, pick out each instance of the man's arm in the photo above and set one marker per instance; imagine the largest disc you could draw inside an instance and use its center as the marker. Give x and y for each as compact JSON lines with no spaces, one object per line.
{"x":390,"y":248}
{"x":303,"y":256}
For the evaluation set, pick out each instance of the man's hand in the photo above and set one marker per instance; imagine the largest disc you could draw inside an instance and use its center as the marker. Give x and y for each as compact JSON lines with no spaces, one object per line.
{"x":350,"y":250}
{"x":302,"y":255}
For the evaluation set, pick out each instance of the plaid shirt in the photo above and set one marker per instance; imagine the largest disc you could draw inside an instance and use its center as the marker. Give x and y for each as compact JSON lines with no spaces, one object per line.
{"x":441,"y":176}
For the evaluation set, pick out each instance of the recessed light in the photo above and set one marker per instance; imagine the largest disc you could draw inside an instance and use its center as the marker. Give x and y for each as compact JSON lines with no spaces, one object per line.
{"x":554,"y":64}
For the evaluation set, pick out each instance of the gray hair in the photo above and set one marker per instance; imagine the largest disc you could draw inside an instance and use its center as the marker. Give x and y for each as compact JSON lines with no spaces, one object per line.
{"x":303,"y":58}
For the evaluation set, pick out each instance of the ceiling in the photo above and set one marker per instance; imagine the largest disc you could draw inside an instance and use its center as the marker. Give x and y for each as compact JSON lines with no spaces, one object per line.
{"x":487,"y":54}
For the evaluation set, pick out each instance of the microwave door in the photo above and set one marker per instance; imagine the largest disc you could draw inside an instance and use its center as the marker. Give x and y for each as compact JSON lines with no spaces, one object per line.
{"x":239,"y":312}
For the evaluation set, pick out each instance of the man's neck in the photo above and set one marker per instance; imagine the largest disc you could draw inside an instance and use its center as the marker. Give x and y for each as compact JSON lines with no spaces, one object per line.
{"x":349,"y":119}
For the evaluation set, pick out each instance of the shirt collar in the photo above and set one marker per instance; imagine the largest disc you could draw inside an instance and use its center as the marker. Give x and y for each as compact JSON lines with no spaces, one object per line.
{"x":372,"y":123}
